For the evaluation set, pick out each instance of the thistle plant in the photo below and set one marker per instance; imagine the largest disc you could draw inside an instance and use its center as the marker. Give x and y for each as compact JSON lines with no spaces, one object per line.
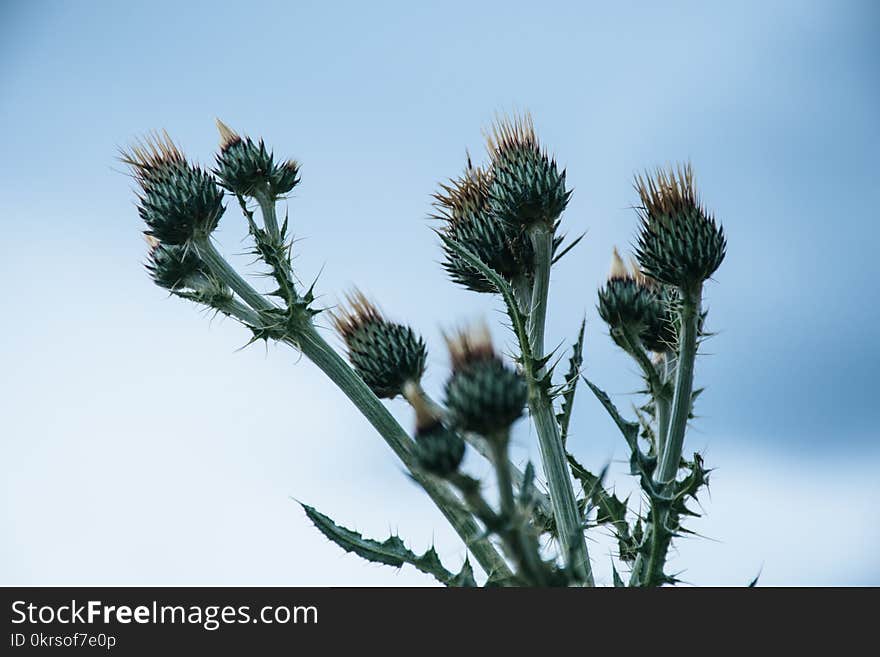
{"x":499,"y":231}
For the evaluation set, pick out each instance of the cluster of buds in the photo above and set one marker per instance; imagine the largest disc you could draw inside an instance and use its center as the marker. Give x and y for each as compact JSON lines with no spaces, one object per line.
{"x":499,"y":236}
{"x":491,"y":209}
{"x":386,"y":355}
{"x":679,"y":243}
{"x":463,"y":205}
{"x":632,"y":302}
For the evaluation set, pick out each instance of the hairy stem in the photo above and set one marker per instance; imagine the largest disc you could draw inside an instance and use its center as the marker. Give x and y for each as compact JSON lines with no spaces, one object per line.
{"x":684,"y":385}
{"x":568,"y":521}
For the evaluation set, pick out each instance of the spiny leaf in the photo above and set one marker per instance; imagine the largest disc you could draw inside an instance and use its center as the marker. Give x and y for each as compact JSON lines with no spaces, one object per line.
{"x":391,"y":551}
{"x":610,"y":510}
{"x":558,"y":256}
{"x":630,"y":430}
{"x":465,"y":577}
{"x":573,"y":376}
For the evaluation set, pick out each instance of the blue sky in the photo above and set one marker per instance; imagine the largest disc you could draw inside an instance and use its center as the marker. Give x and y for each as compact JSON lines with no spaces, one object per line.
{"x":140,"y":447}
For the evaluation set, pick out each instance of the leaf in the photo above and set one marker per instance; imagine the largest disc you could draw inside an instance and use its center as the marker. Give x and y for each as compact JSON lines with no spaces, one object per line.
{"x":630,"y":430}
{"x":571,"y":379}
{"x":558,"y":256}
{"x":610,"y":509}
{"x":465,"y":577}
{"x":391,"y":551}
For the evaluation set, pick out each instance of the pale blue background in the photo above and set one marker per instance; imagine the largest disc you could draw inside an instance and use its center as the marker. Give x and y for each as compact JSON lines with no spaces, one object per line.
{"x":138,"y":447}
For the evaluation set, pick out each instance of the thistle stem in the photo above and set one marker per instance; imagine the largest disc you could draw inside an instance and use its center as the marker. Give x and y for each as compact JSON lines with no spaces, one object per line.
{"x":328,"y":361}
{"x":525,"y":550}
{"x":662,"y":407}
{"x":684,"y":385}
{"x":221,"y":268}
{"x":568,"y":521}
{"x":267,"y":208}
{"x":331,"y":363}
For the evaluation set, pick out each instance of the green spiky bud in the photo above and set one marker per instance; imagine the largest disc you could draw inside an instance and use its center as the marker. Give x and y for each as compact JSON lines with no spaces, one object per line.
{"x":679,"y":241}
{"x":178,"y":268}
{"x":244,"y":167}
{"x":463,"y":206}
{"x":483,"y":395}
{"x":178,"y":201}
{"x":527,"y":187}
{"x":631,"y":300}
{"x":174,"y":267}
{"x":439,"y":450}
{"x":386,"y":355}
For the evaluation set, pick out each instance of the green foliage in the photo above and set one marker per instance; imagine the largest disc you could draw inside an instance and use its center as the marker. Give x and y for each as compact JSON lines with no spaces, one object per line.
{"x":390,"y":552}
{"x":571,"y":381}
{"x":499,"y":234}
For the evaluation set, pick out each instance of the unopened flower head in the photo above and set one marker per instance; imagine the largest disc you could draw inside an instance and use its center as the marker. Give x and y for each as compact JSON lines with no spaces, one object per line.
{"x":527,"y":186}
{"x":386,"y":355}
{"x":178,"y":201}
{"x":679,"y":242}
{"x":439,"y":450}
{"x":463,"y":206}
{"x":483,"y":395}
{"x":245,"y":168}
{"x":179,"y":269}
{"x":631,"y":300}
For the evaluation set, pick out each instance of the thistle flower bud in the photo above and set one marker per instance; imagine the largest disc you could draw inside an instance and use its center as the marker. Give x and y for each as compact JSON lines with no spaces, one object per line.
{"x":463,"y":205}
{"x":178,"y":201}
{"x":632,"y":300}
{"x":385,"y":355}
{"x":679,"y":242}
{"x":438,"y":450}
{"x":527,"y":188}
{"x":483,"y":395}
{"x":177,"y":268}
{"x":244,"y":167}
